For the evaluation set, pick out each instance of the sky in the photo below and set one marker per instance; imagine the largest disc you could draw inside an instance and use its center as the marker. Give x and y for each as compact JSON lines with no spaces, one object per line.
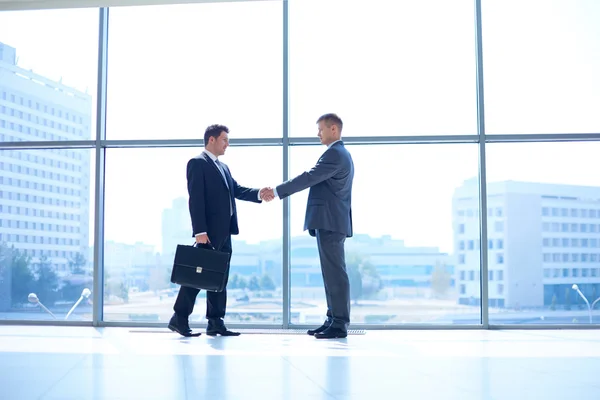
{"x":389,"y":68}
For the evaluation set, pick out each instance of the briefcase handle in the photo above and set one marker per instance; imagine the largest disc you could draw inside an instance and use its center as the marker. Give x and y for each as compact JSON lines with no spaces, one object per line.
{"x":205,"y":245}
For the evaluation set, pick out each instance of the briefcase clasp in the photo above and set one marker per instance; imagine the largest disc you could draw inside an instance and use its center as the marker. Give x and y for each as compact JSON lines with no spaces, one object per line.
{"x":198,"y":270}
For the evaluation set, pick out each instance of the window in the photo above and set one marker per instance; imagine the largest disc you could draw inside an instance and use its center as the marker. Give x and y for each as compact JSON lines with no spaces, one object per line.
{"x":21,"y":233}
{"x":548,"y":179}
{"x":390,"y":32}
{"x":461,"y":228}
{"x":77,"y":70}
{"x":547,"y":272}
{"x":491,"y":275}
{"x":500,"y":258}
{"x":500,"y":275}
{"x":499,"y":226}
{"x":499,"y":244}
{"x":162,"y":222}
{"x":521,"y":101}
{"x":500,"y":289}
{"x":490,"y":244}
{"x":251,"y":72}
{"x":376,"y":230}
{"x":545,"y":211}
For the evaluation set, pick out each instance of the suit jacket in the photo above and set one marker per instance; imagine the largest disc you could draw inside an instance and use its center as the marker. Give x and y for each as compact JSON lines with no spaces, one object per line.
{"x":209,"y":201}
{"x":330,"y":198}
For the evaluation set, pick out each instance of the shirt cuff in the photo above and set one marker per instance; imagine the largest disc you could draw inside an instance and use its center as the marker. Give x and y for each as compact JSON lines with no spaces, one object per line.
{"x":275,"y":192}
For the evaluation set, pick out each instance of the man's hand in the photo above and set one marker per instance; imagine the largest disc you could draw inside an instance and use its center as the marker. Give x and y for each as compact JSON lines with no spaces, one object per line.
{"x":267,"y":194}
{"x":202,"y":239}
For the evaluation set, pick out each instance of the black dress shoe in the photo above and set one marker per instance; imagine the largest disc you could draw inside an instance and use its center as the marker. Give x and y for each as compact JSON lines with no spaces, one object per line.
{"x":320,"y":329}
{"x":219,"y":328}
{"x":332,"y":333}
{"x":182,"y":327}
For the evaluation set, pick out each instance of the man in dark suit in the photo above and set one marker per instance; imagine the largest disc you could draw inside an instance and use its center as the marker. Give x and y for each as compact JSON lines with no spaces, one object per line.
{"x":329,"y":218}
{"x":212,"y":192}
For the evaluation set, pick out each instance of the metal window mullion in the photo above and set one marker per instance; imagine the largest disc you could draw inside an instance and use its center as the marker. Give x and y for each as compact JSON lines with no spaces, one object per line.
{"x":286,"y":162}
{"x":98,"y":293}
{"x":483,"y":222}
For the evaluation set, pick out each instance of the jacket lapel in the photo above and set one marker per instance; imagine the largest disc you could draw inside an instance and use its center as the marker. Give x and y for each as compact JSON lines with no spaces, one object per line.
{"x":216,"y":168}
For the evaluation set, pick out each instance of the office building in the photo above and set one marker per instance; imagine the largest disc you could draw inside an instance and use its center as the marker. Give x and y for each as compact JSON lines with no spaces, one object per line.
{"x":542,"y":239}
{"x":44,"y":194}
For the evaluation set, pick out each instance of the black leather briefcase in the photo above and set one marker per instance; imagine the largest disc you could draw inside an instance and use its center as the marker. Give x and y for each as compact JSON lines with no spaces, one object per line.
{"x":200,"y":267}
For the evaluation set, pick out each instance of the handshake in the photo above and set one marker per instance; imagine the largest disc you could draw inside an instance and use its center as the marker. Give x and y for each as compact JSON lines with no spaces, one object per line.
{"x":267,"y":194}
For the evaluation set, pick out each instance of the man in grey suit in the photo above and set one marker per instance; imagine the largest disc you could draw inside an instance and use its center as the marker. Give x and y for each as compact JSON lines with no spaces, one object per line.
{"x":329,"y":218}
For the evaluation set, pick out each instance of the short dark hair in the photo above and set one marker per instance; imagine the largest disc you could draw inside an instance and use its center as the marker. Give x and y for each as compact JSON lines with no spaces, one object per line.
{"x":214,"y":131}
{"x":331,"y":119}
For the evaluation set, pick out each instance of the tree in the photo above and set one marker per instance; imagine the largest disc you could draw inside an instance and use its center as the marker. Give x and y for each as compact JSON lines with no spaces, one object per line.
{"x":77,"y":264}
{"x":267,"y":283}
{"x":363,"y":276}
{"x":46,"y":284}
{"x":567,"y":299}
{"x":440,"y":280}
{"x":234,"y":282}
{"x":254,"y":285}
{"x":22,"y":279}
{"x":553,"y":304}
{"x":242,"y":283}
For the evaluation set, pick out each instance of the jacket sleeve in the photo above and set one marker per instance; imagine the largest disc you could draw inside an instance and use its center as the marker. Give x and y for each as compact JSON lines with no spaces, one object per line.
{"x":326,"y":167}
{"x":197,"y":201}
{"x":244,"y":193}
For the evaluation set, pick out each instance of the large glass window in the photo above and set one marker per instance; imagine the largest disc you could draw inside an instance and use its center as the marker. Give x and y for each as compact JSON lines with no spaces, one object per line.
{"x":195,"y":65}
{"x":46,"y":246}
{"x":386,"y":67}
{"x":147,"y":217}
{"x":412,"y":215}
{"x":534,"y":283}
{"x":48,"y":75}
{"x":541,"y":62}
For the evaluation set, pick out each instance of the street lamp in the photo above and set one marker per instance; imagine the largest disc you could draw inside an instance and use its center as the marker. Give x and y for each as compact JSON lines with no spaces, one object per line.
{"x":590,"y":307}
{"x":34,"y":299}
{"x":84,"y":295}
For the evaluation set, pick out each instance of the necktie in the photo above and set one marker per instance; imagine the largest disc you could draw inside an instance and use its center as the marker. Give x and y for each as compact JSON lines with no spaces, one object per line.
{"x":227,"y":184}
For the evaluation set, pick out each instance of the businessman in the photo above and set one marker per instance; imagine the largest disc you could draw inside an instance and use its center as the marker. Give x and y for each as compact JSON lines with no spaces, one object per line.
{"x":212,"y":194}
{"x":329,"y":218}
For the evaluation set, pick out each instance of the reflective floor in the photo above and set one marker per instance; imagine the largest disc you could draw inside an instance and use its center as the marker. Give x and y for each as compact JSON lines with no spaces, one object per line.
{"x":128,"y":363}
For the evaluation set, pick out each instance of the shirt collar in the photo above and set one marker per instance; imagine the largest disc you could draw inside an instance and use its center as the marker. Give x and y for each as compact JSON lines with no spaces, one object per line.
{"x":211,"y":155}
{"x":331,"y":144}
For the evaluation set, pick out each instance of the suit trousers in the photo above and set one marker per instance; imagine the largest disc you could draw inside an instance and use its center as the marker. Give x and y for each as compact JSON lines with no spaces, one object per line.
{"x":216,"y":302}
{"x":335,"y":277}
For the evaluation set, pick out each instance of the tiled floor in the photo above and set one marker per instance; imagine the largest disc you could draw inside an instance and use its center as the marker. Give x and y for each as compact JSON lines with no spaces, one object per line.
{"x":127,"y":363}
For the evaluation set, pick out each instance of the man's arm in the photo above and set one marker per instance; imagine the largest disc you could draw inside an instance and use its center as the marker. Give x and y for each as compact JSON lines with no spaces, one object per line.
{"x":196,"y":191}
{"x":246,"y":194}
{"x":325,"y":168}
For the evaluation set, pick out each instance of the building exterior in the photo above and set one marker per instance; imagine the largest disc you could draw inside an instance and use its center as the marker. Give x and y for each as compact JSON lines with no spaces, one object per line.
{"x":542,"y":239}
{"x":44,"y":194}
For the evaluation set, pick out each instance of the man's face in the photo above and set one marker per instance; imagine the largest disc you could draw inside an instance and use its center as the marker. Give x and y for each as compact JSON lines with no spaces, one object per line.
{"x":327,"y":134}
{"x":219,"y":144}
